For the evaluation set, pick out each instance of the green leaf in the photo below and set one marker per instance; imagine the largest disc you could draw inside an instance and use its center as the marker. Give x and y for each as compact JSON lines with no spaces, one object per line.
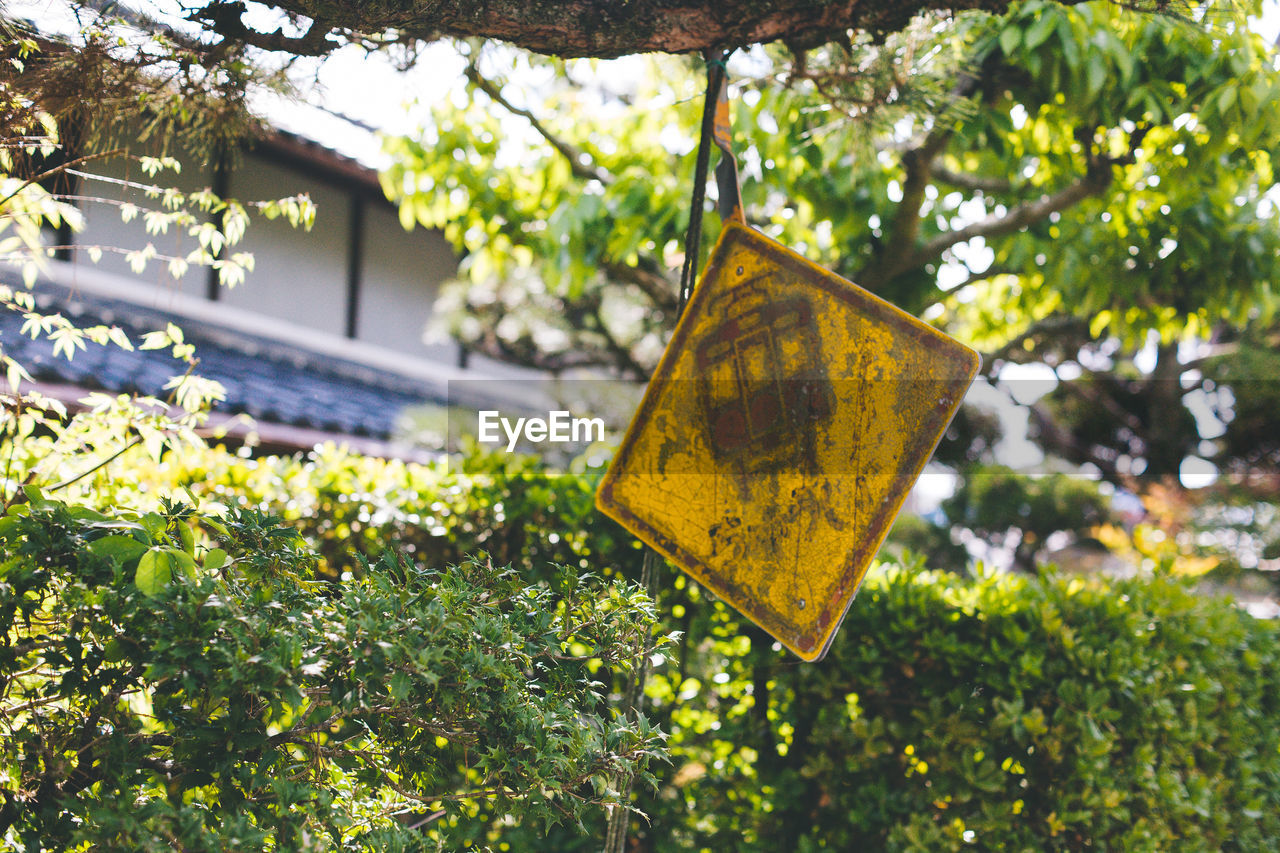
{"x":400,"y":685}
{"x":1096,"y":75}
{"x":122,"y":549}
{"x":182,"y":562}
{"x":216,"y":526}
{"x":1226,"y":98}
{"x":155,"y":525}
{"x":1009,"y":40}
{"x":1070,"y":47}
{"x":154,"y":572}
{"x":215,"y":559}
{"x":1040,"y":30}
{"x":113,"y":651}
{"x":188,"y":539}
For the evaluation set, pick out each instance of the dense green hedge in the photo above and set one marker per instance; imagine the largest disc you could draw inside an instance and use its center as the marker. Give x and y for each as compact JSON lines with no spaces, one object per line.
{"x":509,"y":507}
{"x":174,"y":680}
{"x":998,"y":713}
{"x":1004,"y":713}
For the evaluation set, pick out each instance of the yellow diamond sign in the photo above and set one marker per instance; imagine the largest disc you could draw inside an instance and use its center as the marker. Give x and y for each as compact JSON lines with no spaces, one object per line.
{"x":780,"y":434}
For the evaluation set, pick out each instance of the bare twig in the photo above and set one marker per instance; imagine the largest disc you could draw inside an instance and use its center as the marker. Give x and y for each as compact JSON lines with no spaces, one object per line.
{"x":77,"y":478}
{"x":661,"y":291}
{"x":67,"y":167}
{"x":579,"y":161}
{"x":1020,"y":216}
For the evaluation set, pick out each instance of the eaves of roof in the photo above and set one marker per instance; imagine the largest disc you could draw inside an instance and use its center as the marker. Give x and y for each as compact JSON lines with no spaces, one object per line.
{"x":306,"y":155}
{"x":303,"y":395}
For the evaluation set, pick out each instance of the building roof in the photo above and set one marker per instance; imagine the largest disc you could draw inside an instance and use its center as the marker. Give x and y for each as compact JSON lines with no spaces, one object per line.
{"x":274,"y":382}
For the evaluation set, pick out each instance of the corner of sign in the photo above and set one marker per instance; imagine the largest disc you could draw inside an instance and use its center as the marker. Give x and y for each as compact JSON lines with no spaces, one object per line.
{"x":603,"y":498}
{"x":729,"y":226}
{"x":816,"y":652}
{"x":975,"y":361}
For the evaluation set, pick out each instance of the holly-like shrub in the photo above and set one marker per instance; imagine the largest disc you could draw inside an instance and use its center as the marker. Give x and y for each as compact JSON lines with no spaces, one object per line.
{"x":157,"y":693}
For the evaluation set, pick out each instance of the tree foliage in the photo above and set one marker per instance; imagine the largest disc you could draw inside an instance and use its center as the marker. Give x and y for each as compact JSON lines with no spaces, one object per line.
{"x":1103,"y":158}
{"x":121,"y":79}
{"x":1082,"y":188}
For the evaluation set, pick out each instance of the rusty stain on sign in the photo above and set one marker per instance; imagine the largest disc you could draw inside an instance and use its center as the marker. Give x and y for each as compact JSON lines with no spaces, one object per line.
{"x":781,"y":432}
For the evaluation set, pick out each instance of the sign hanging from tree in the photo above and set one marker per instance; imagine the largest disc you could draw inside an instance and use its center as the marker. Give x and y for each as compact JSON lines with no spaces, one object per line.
{"x":780,"y":434}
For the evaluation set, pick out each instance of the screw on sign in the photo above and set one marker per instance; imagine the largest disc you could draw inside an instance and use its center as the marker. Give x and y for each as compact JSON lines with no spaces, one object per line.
{"x":780,"y":434}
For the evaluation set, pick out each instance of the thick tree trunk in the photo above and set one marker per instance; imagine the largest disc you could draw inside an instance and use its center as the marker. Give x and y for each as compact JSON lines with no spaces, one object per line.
{"x":589,"y":28}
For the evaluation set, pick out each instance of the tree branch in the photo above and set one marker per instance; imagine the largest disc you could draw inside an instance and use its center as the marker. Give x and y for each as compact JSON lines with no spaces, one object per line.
{"x":1094,"y":182}
{"x":654,"y":285}
{"x":60,"y":168}
{"x":1060,"y":325}
{"x":918,"y":165}
{"x":105,"y":462}
{"x":985,"y":275}
{"x":579,"y":160}
{"x":622,"y":354}
{"x":582,"y":28}
{"x":975,"y":183}
{"x":1217,"y":351}
{"x":1089,"y":393}
{"x":525,"y":354}
{"x":224,"y":19}
{"x":1061,"y":441}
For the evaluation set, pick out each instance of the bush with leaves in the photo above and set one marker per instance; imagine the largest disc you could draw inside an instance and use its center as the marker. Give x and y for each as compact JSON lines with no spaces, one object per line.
{"x":172,"y":678}
{"x":1021,"y":712}
{"x":997,"y":713}
{"x":156,"y":693}
{"x":508,"y":507}
{"x":998,"y":503}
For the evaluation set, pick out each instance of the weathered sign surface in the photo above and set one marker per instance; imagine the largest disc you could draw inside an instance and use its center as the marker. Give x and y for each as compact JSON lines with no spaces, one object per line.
{"x":780,"y":434}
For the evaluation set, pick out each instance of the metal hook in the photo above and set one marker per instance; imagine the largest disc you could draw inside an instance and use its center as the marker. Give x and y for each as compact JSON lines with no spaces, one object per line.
{"x":727,"y":183}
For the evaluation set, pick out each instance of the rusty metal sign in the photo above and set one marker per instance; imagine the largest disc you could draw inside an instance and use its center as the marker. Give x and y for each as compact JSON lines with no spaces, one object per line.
{"x":780,"y":434}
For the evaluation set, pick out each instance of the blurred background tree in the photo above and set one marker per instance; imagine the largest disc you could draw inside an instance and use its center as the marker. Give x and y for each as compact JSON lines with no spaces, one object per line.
{"x":1080,"y":192}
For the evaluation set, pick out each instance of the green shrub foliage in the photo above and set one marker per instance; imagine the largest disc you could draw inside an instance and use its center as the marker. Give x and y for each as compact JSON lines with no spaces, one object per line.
{"x":509,"y":508}
{"x":997,"y":713}
{"x":157,"y":693}
{"x":1021,"y":713}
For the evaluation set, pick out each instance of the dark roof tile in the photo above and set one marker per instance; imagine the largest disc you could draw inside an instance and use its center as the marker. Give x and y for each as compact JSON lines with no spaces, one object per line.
{"x":269,"y":380}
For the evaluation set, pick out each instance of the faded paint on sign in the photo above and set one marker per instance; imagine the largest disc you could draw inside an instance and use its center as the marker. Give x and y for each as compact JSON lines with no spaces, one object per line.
{"x":780,"y":434}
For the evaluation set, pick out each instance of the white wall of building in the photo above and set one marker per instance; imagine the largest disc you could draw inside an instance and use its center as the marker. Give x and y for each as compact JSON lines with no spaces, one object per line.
{"x":104,"y":227}
{"x":401,"y":274}
{"x":299,"y":276}
{"x":302,"y":278}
